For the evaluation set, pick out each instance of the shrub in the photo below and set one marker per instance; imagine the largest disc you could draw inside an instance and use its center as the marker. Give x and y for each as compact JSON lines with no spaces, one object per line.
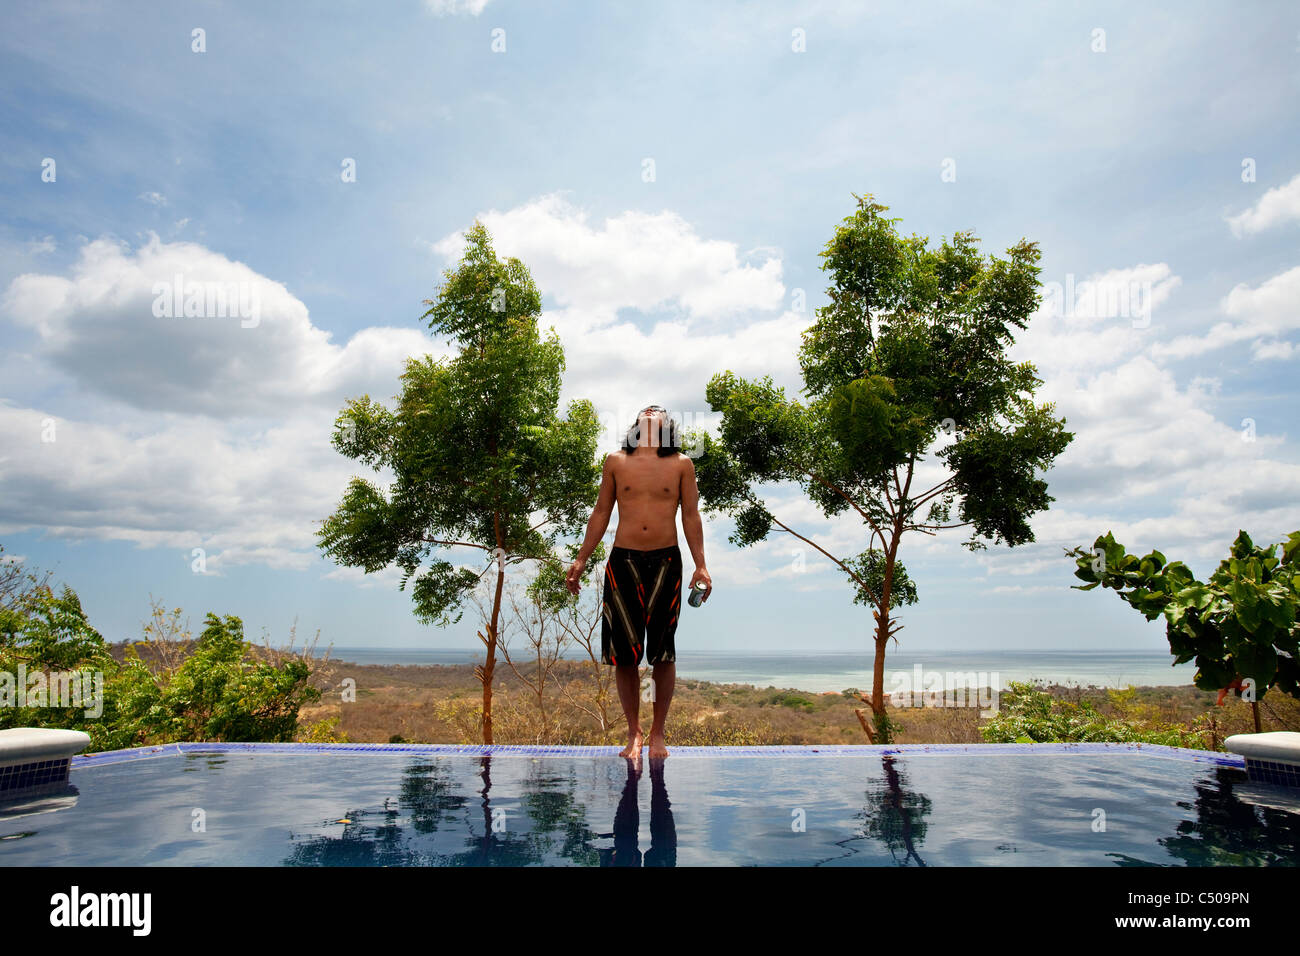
{"x":1028,"y":714}
{"x":216,"y":693}
{"x":44,"y":632}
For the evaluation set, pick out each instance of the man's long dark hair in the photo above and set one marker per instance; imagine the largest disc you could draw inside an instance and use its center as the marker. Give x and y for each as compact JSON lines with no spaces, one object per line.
{"x":672,"y":446}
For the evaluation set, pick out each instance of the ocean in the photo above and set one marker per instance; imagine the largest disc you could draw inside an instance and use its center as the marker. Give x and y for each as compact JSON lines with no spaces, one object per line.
{"x":821,"y":671}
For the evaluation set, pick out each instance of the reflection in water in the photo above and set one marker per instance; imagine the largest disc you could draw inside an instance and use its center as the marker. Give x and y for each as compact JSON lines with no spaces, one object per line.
{"x":36,"y":800}
{"x":404,"y":831}
{"x":446,"y":812}
{"x":894,"y":815}
{"x":201,"y":762}
{"x":374,"y":837}
{"x":1229,"y":831}
{"x":1224,"y":830}
{"x":627,"y":823}
{"x":898,"y":821}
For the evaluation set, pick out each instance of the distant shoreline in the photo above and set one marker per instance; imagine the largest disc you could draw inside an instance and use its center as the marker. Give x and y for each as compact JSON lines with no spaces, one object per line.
{"x":825,"y":672}
{"x":834,"y":671}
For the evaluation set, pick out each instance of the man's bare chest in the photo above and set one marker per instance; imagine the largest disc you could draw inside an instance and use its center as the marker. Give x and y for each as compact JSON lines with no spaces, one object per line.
{"x":646,"y":485}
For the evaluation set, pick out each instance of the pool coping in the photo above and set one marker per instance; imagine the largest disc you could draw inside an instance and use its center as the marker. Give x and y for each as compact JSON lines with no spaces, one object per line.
{"x":533,"y":750}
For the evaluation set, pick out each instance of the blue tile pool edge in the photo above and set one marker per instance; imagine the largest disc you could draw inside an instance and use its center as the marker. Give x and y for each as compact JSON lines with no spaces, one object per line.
{"x":831,"y":750}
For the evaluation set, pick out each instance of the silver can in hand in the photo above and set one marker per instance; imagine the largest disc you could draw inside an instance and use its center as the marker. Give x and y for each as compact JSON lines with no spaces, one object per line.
{"x":697,"y":595}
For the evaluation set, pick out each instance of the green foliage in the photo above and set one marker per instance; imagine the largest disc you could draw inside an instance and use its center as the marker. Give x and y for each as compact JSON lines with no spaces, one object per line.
{"x":215,"y":694}
{"x":887,"y":726}
{"x":1028,"y":714}
{"x":52,"y":629}
{"x":326,"y":732}
{"x":994,"y":473}
{"x":475,"y":445}
{"x":1239,"y":624}
{"x":485,"y":297}
{"x":875,"y":430}
{"x":791,"y":699}
{"x":869,"y":567}
{"x":548,"y":589}
{"x":47,"y":633}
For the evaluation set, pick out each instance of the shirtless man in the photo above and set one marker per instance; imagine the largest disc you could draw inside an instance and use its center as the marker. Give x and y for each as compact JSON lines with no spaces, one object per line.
{"x":648,"y":478}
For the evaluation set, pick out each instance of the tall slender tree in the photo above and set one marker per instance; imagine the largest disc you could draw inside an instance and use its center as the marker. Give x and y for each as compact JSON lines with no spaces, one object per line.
{"x":478,"y":454}
{"x":912,"y":343}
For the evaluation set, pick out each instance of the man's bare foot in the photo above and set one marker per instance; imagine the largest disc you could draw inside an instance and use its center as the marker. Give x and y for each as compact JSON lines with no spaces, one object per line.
{"x":658,"y":747}
{"x":633,"y":748}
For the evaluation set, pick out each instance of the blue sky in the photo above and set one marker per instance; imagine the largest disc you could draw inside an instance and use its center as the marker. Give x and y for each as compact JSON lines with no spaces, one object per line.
{"x":1115,"y":137}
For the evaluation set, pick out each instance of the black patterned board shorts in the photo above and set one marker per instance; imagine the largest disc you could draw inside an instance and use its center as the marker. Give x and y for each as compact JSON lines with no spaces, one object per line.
{"x":643,"y":595}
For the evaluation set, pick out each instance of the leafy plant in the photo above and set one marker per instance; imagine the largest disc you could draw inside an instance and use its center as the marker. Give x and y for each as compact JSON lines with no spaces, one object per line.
{"x":1029,"y":714}
{"x":44,"y":633}
{"x":793,"y":700}
{"x":218,"y":694}
{"x":326,"y":732}
{"x":1239,"y":626}
{"x":214,"y":693}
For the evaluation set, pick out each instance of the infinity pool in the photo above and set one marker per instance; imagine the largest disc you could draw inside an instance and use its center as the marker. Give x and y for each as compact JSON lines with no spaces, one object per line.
{"x":413,"y":805}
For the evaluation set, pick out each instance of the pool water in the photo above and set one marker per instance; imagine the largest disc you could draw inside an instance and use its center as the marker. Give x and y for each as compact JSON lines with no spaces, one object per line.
{"x":1090,"y":805}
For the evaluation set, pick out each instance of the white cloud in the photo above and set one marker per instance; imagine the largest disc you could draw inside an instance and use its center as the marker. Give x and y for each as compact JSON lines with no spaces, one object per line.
{"x":1012,"y":564}
{"x":1027,"y":589}
{"x":1151,"y":459}
{"x":445,"y":8}
{"x":154,"y":198}
{"x":205,"y":434}
{"x":1280,"y":204}
{"x":1273,"y":350}
{"x":40,"y":246}
{"x":178,"y":483}
{"x":1134,"y":293}
{"x":98,"y":325}
{"x":387,"y":579}
{"x":1084,"y":324}
{"x":635,"y":260}
{"x":1260,"y":316}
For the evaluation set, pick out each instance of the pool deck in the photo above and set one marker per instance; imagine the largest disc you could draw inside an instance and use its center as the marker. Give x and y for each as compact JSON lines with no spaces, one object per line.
{"x":678,"y":752}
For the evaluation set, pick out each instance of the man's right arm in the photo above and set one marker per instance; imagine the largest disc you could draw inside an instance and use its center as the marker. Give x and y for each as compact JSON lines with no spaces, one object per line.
{"x":600,"y":515}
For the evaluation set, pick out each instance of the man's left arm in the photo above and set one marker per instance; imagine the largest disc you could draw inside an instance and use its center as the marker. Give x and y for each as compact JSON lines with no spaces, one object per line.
{"x":693,"y":525}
